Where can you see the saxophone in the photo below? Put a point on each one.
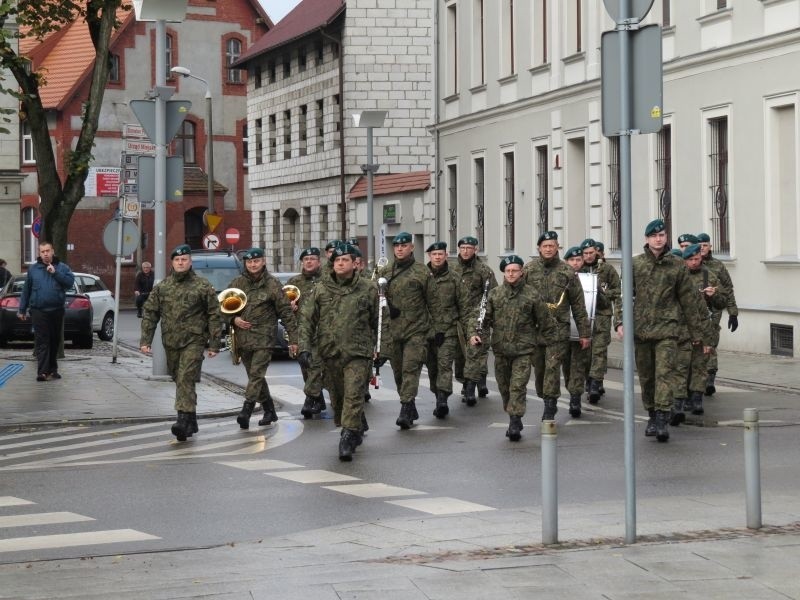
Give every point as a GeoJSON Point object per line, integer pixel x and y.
{"type": "Point", "coordinates": [482, 309]}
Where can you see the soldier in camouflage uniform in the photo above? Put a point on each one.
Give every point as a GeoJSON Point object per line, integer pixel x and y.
{"type": "Point", "coordinates": [559, 287]}
{"type": "Point", "coordinates": [188, 310]}
{"type": "Point", "coordinates": [254, 328]}
{"type": "Point", "coordinates": [446, 311]}
{"type": "Point", "coordinates": [472, 361]}
{"type": "Point", "coordinates": [577, 360]}
{"type": "Point", "coordinates": [717, 267]}
{"type": "Point", "coordinates": [408, 324]}
{"type": "Point", "coordinates": [663, 297]}
{"type": "Point", "coordinates": [340, 322]}
{"type": "Point", "coordinates": [518, 319]}
{"type": "Point", "coordinates": [609, 304]}
{"type": "Point", "coordinates": [306, 281]}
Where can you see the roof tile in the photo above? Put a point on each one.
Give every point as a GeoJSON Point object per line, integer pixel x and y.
{"type": "Point", "coordinates": [393, 183]}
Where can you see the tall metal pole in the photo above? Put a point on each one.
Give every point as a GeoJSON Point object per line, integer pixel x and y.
{"type": "Point", "coordinates": [370, 215]}
{"type": "Point", "coordinates": [160, 252]}
{"type": "Point", "coordinates": [210, 151]}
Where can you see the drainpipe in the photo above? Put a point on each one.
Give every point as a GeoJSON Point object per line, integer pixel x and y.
{"type": "Point", "coordinates": [342, 200]}
{"type": "Point", "coordinates": [436, 171]}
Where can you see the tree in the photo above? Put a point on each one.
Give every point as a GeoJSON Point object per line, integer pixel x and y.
{"type": "Point", "coordinates": [37, 19]}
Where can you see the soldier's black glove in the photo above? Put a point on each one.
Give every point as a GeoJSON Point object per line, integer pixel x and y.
{"type": "Point", "coordinates": [438, 339]}
{"type": "Point", "coordinates": [380, 361]}
{"type": "Point", "coordinates": [304, 358]}
{"type": "Point", "coordinates": [733, 323]}
{"type": "Point", "coordinates": [394, 312]}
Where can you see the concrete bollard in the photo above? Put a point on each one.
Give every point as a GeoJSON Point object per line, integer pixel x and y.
{"type": "Point", "coordinates": [752, 468]}
{"type": "Point", "coordinates": [549, 483]}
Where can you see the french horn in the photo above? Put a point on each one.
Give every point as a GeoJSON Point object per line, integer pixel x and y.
{"type": "Point", "coordinates": [292, 292]}
{"type": "Point", "coordinates": [231, 301]}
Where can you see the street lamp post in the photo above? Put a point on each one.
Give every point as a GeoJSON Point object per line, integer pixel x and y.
{"type": "Point", "coordinates": [183, 71]}
{"type": "Point", "coordinates": [369, 119]}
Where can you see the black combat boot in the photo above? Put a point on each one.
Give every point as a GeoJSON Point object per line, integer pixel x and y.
{"type": "Point", "coordinates": [550, 409]}
{"type": "Point", "coordinates": [414, 413]}
{"type": "Point", "coordinates": [270, 416]}
{"type": "Point", "coordinates": [710, 387]}
{"type": "Point", "coordinates": [469, 392]}
{"type": "Point", "coordinates": [575, 405]}
{"type": "Point", "coordinates": [602, 389]}
{"type": "Point", "coordinates": [406, 418]}
{"type": "Point", "coordinates": [441, 410]}
{"type": "Point", "coordinates": [348, 443]}
{"type": "Point", "coordinates": [308, 407]}
{"type": "Point", "coordinates": [662, 431]}
{"type": "Point", "coordinates": [463, 391]}
{"type": "Point", "coordinates": [513, 433]}
{"type": "Point", "coordinates": [676, 415]}
{"type": "Point", "coordinates": [594, 391]}
{"type": "Point", "coordinates": [364, 424]}
{"type": "Point", "coordinates": [182, 426]}
{"type": "Point", "coordinates": [483, 391]}
{"type": "Point", "coordinates": [650, 430]}
{"type": "Point", "coordinates": [319, 404]}
{"type": "Point", "coordinates": [244, 415]}
{"type": "Point", "coordinates": [697, 403]}
{"type": "Point", "coordinates": [193, 421]}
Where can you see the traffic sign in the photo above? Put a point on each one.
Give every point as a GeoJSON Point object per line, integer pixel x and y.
{"type": "Point", "coordinates": [211, 220]}
{"type": "Point", "coordinates": [130, 237]}
{"type": "Point", "coordinates": [231, 235]}
{"type": "Point", "coordinates": [131, 206]}
{"type": "Point", "coordinates": [146, 178]}
{"type": "Point", "coordinates": [36, 227]}
{"type": "Point", "coordinates": [638, 9]}
{"type": "Point", "coordinates": [211, 241]}
{"type": "Point", "coordinates": [175, 113]}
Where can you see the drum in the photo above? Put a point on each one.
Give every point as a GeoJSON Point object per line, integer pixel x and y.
{"type": "Point", "coordinates": [589, 285]}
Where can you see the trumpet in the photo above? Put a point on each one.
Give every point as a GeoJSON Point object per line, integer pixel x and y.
{"type": "Point", "coordinates": [292, 292]}
{"type": "Point", "coordinates": [232, 300]}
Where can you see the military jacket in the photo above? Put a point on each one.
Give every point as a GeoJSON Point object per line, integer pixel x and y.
{"type": "Point", "coordinates": [558, 285]}
{"type": "Point", "coordinates": [407, 297]}
{"type": "Point", "coordinates": [519, 320]}
{"type": "Point", "coordinates": [305, 282]}
{"type": "Point", "coordinates": [187, 307]}
{"type": "Point", "coordinates": [609, 289]}
{"type": "Point", "coordinates": [707, 305]}
{"type": "Point", "coordinates": [717, 267]}
{"type": "Point", "coordinates": [445, 302]}
{"type": "Point", "coordinates": [266, 302]}
{"type": "Point", "coordinates": [473, 275]}
{"type": "Point", "coordinates": [340, 318]}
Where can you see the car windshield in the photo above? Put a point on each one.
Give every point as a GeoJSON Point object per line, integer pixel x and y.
{"type": "Point", "coordinates": [220, 278]}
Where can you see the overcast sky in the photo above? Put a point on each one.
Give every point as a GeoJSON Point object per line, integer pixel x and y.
{"type": "Point", "coordinates": [277, 9]}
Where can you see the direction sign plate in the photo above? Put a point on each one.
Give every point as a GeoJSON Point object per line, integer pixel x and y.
{"type": "Point", "coordinates": [211, 241]}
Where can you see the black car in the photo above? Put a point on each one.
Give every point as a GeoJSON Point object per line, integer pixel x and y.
{"type": "Point", "coordinates": [77, 316]}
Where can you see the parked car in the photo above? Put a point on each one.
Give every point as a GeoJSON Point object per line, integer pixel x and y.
{"type": "Point", "coordinates": [280, 347]}
{"type": "Point", "coordinates": [102, 304]}
{"type": "Point", "coordinates": [77, 316]}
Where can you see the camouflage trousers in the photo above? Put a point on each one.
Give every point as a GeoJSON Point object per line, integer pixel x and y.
{"type": "Point", "coordinates": [256, 361]}
{"type": "Point", "coordinates": [575, 366]}
{"type": "Point", "coordinates": [183, 365]}
{"type": "Point", "coordinates": [440, 364]}
{"type": "Point", "coordinates": [472, 362]}
{"type": "Point", "coordinates": [346, 378]}
{"type": "Point", "coordinates": [601, 338]}
{"type": "Point", "coordinates": [683, 362]}
{"type": "Point", "coordinates": [513, 374]}
{"type": "Point", "coordinates": [407, 357]}
{"type": "Point", "coordinates": [655, 363]}
{"type": "Point", "coordinates": [546, 361]}
{"type": "Point", "coordinates": [699, 368]}
{"type": "Point", "coordinates": [313, 376]}
{"type": "Point", "coordinates": [716, 317]}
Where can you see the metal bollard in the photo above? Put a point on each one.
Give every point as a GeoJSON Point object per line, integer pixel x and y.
{"type": "Point", "coordinates": [752, 468]}
{"type": "Point", "coordinates": [549, 484]}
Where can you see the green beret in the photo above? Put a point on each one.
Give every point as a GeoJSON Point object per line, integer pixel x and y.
{"type": "Point", "coordinates": [601, 247]}
{"type": "Point", "coordinates": [654, 226]}
{"type": "Point", "coordinates": [677, 252]}
{"type": "Point", "coordinates": [312, 251]}
{"type": "Point", "coordinates": [253, 253]}
{"type": "Point", "coordinates": [511, 260]}
{"type": "Point", "coordinates": [352, 242]}
{"type": "Point", "coordinates": [468, 240]}
{"type": "Point", "coordinates": [356, 252]}
{"type": "Point", "coordinates": [703, 238]}
{"type": "Point", "coordinates": [437, 246]}
{"type": "Point", "coordinates": [690, 251]}
{"type": "Point", "coordinates": [401, 238]}
{"type": "Point", "coordinates": [588, 243]}
{"type": "Point", "coordinates": [688, 237]}
{"type": "Point", "coordinates": [181, 250]}
{"type": "Point", "coordinates": [341, 249]}
{"type": "Point", "coordinates": [574, 252]}
{"type": "Point", "coordinates": [332, 244]}
{"type": "Point", "coordinates": [547, 235]}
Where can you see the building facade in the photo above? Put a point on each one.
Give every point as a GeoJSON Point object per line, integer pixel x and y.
{"type": "Point", "coordinates": [521, 148]}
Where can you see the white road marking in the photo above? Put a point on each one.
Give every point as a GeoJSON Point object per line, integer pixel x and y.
{"type": "Point", "coordinates": [287, 393]}
{"type": "Point", "coordinates": [28, 434]}
{"type": "Point", "coordinates": [264, 464]}
{"type": "Point", "coordinates": [66, 540]}
{"type": "Point", "coordinates": [70, 438]}
{"type": "Point", "coordinates": [12, 501]}
{"type": "Point", "coordinates": [42, 519]}
{"type": "Point", "coordinates": [373, 490]}
{"type": "Point", "coordinates": [440, 506]}
{"type": "Point", "coordinates": [312, 476]}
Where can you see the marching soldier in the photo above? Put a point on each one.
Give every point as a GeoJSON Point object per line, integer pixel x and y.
{"type": "Point", "coordinates": [306, 281]}
{"type": "Point", "coordinates": [519, 320]}
{"type": "Point", "coordinates": [188, 310]}
{"type": "Point", "coordinates": [340, 323]}
{"type": "Point", "coordinates": [471, 361]}
{"type": "Point", "coordinates": [254, 328]}
{"type": "Point", "coordinates": [560, 289]}
{"type": "Point", "coordinates": [409, 323]}
{"type": "Point", "coordinates": [609, 300]}
{"type": "Point", "coordinates": [576, 362]}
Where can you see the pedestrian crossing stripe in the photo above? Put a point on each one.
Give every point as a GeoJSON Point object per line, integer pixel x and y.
{"type": "Point", "coordinates": [441, 506]}
{"type": "Point", "coordinates": [12, 501]}
{"type": "Point", "coordinates": [32, 519]}
{"type": "Point", "coordinates": [373, 490]}
{"type": "Point", "coordinates": [64, 540]}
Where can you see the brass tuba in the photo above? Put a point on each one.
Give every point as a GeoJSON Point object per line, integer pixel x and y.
{"type": "Point", "coordinates": [292, 292]}
{"type": "Point", "coordinates": [231, 301]}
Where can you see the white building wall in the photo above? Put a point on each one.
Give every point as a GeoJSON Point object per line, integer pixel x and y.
{"type": "Point", "coordinates": [10, 181]}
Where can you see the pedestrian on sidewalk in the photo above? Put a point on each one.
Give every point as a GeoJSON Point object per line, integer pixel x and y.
{"type": "Point", "coordinates": [5, 274]}
{"type": "Point", "coordinates": [44, 293]}
{"type": "Point", "coordinates": [188, 310]}
{"type": "Point", "coordinates": [143, 285]}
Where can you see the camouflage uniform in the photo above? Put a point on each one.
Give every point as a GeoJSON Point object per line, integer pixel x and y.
{"type": "Point", "coordinates": [340, 322]}
{"type": "Point", "coordinates": [187, 307]}
{"type": "Point", "coordinates": [698, 366]}
{"type": "Point", "coordinates": [306, 283]}
{"type": "Point", "coordinates": [717, 267]}
{"type": "Point", "coordinates": [609, 304]}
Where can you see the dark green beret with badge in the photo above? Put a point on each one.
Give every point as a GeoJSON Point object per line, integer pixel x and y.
{"type": "Point", "coordinates": [401, 238]}
{"type": "Point", "coordinates": [312, 251]}
{"type": "Point", "coordinates": [601, 247]}
{"type": "Point", "coordinates": [341, 249]}
{"type": "Point", "coordinates": [437, 246]}
{"type": "Point", "coordinates": [654, 226]}
{"type": "Point", "coordinates": [677, 252]}
{"type": "Point", "coordinates": [253, 253]}
{"type": "Point", "coordinates": [688, 237]}
{"type": "Point", "coordinates": [703, 238]}
{"type": "Point", "coordinates": [547, 235]}
{"type": "Point", "coordinates": [353, 242]}
{"type": "Point", "coordinates": [181, 250]}
{"type": "Point", "coordinates": [511, 260]}
{"type": "Point", "coordinates": [690, 251]}
{"type": "Point", "coordinates": [574, 252]}
{"type": "Point", "coordinates": [588, 243]}
{"type": "Point", "coordinates": [468, 240]}
{"type": "Point", "coordinates": [332, 244]}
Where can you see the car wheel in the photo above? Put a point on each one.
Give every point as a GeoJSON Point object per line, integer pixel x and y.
{"type": "Point", "coordinates": [106, 332]}
{"type": "Point", "coordinates": [83, 341]}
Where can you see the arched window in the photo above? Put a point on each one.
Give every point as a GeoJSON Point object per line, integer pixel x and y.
{"type": "Point", "coordinates": [233, 50]}
{"type": "Point", "coordinates": [185, 143]}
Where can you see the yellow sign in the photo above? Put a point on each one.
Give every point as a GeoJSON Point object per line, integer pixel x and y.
{"type": "Point", "coordinates": [213, 221]}
{"type": "Point", "coordinates": [655, 112]}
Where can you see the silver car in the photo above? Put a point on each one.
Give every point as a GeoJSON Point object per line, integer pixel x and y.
{"type": "Point", "coordinates": [103, 304]}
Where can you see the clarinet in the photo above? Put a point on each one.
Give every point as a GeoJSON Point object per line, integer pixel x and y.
{"type": "Point", "coordinates": [482, 310]}
{"type": "Point", "coordinates": [376, 380]}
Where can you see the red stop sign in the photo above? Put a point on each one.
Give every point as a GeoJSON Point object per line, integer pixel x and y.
{"type": "Point", "coordinates": [231, 235]}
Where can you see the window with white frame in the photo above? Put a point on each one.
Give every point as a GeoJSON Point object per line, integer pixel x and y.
{"type": "Point", "coordinates": [28, 155]}
{"type": "Point", "coordinates": [574, 39]}
{"type": "Point", "coordinates": [614, 200]}
{"type": "Point", "coordinates": [541, 54]}
{"type": "Point", "coordinates": [233, 50]}
{"type": "Point", "coordinates": [452, 204]}
{"type": "Point", "coordinates": [717, 151]}
{"type": "Point", "coordinates": [664, 177]}
{"type": "Point", "coordinates": [507, 58]}
{"type": "Point", "coordinates": [542, 171]}
{"type": "Point", "coordinates": [114, 69]}
{"type": "Point", "coordinates": [245, 146]}
{"type": "Point", "coordinates": [479, 199]}
{"type": "Point", "coordinates": [29, 242]}
{"type": "Point", "coordinates": [666, 13]}
{"type": "Point", "coordinates": [452, 50]}
{"type": "Point", "coordinates": [169, 51]}
{"type": "Point", "coordinates": [781, 179]}
{"type": "Point", "coordinates": [478, 43]}
{"type": "Point", "coordinates": [508, 199]}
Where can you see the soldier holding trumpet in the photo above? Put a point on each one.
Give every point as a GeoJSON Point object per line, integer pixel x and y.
{"type": "Point", "coordinates": [253, 325]}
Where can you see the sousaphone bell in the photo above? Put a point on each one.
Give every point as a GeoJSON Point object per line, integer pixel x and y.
{"type": "Point", "coordinates": [292, 292]}
{"type": "Point", "coordinates": [231, 301]}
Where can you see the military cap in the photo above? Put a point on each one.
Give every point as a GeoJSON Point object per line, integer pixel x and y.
{"type": "Point", "coordinates": [574, 252]}
{"type": "Point", "coordinates": [341, 249]}
{"type": "Point", "coordinates": [468, 240]}
{"type": "Point", "coordinates": [311, 251]}
{"type": "Point", "coordinates": [253, 253]}
{"type": "Point", "coordinates": [352, 241]}
{"type": "Point", "coordinates": [181, 250]}
{"type": "Point", "coordinates": [511, 260]}
{"type": "Point", "coordinates": [690, 251]}
{"type": "Point", "coordinates": [588, 243]}
{"type": "Point", "coordinates": [437, 246]}
{"type": "Point", "coordinates": [677, 252]}
{"type": "Point", "coordinates": [401, 238]}
{"type": "Point", "coordinates": [332, 244]}
{"type": "Point", "coordinates": [703, 238]}
{"type": "Point", "coordinates": [547, 235]}
{"type": "Point", "coordinates": [601, 247]}
{"type": "Point", "coordinates": [654, 226]}
{"type": "Point", "coordinates": [688, 237]}
{"type": "Point", "coordinates": [356, 252]}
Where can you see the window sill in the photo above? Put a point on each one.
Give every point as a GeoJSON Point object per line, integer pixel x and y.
{"type": "Point", "coordinates": [668, 30]}
{"type": "Point", "coordinates": [574, 58]}
{"type": "Point", "coordinates": [450, 98]}
{"type": "Point", "coordinates": [723, 14]}
{"type": "Point", "coordinates": [782, 261]}
{"type": "Point", "coordinates": [542, 68]}
{"type": "Point", "coordinates": [478, 89]}
{"type": "Point", "coordinates": [507, 79]}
